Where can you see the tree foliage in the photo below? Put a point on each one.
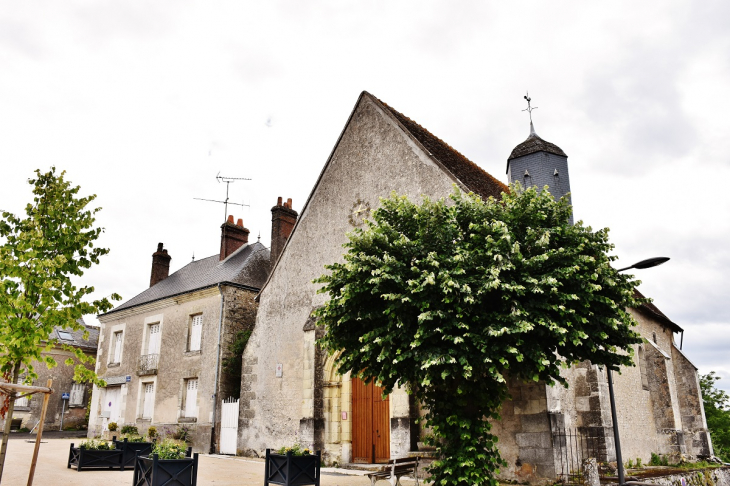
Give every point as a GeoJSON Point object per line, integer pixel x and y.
{"type": "Point", "coordinates": [717, 413]}
{"type": "Point", "coordinates": [41, 256]}
{"type": "Point", "coordinates": [450, 298]}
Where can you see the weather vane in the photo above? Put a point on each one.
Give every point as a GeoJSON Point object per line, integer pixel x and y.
{"type": "Point", "coordinates": [529, 108]}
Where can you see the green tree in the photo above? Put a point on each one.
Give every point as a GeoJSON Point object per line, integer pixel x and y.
{"type": "Point", "coordinates": [717, 414]}
{"type": "Point", "coordinates": [453, 298]}
{"type": "Point", "coordinates": [41, 256]}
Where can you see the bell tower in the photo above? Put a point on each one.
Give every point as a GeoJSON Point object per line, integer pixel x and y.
{"type": "Point", "coordinates": [537, 162]}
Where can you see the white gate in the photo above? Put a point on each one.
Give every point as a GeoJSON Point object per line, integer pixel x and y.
{"type": "Point", "coordinates": [229, 426]}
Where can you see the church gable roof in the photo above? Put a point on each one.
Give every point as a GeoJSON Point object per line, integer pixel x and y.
{"type": "Point", "coordinates": [247, 266]}
{"type": "Point", "coordinates": [470, 174]}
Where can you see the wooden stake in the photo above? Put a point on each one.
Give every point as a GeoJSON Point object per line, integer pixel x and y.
{"type": "Point", "coordinates": [46, 396]}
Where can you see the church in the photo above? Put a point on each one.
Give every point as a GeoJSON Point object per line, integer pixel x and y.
{"type": "Point", "coordinates": [290, 392]}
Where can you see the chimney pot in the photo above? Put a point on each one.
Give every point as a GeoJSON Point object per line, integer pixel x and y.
{"type": "Point", "coordinates": [160, 265]}
{"type": "Point", "coordinates": [278, 201]}
{"type": "Point", "coordinates": [283, 218]}
{"type": "Point", "coordinates": [239, 222]}
{"type": "Point", "coordinates": [233, 237]}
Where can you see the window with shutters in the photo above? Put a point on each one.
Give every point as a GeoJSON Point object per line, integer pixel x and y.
{"type": "Point", "coordinates": [148, 400]}
{"type": "Point", "coordinates": [153, 341]}
{"type": "Point", "coordinates": [190, 402]}
{"type": "Point", "coordinates": [23, 402]}
{"type": "Point", "coordinates": [195, 333]}
{"type": "Point", "coordinates": [116, 354]}
{"type": "Point", "coordinates": [77, 394]}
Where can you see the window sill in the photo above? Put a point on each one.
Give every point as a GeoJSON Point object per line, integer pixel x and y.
{"type": "Point", "coordinates": [77, 405]}
{"type": "Point", "coordinates": [192, 353]}
{"type": "Point", "coordinates": [143, 419]}
{"type": "Point", "coordinates": [187, 420]}
{"type": "Point", "coordinates": [22, 409]}
{"type": "Point", "coordinates": [113, 365]}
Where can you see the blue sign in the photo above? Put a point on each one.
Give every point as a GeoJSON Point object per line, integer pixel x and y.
{"type": "Point", "coordinates": [65, 396]}
{"type": "Point", "coordinates": [129, 378]}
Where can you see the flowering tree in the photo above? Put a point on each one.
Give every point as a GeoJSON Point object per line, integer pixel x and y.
{"type": "Point", "coordinates": [451, 297]}
{"type": "Point", "coordinates": [40, 255]}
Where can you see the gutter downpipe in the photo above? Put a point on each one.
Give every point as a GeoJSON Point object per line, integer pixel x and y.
{"type": "Point", "coordinates": [217, 369]}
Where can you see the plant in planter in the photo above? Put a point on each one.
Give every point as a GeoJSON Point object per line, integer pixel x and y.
{"type": "Point", "coordinates": [292, 466]}
{"type": "Point", "coordinates": [129, 430]}
{"type": "Point", "coordinates": [169, 463]}
{"type": "Point", "coordinates": [152, 432]}
{"type": "Point", "coordinates": [131, 446]}
{"type": "Point", "coordinates": [93, 453]}
{"type": "Point", "coordinates": [112, 426]}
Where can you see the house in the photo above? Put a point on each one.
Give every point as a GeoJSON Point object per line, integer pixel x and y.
{"type": "Point", "coordinates": [163, 352]}
{"type": "Point", "coordinates": [69, 412]}
{"type": "Point", "coordinates": [290, 392]}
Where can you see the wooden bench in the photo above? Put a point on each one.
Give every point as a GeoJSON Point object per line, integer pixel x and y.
{"type": "Point", "coordinates": [395, 469]}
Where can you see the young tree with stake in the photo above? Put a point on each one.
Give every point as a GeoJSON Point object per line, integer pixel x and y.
{"type": "Point", "coordinates": [41, 255]}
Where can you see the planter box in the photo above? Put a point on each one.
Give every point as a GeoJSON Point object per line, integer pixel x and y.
{"type": "Point", "coordinates": [151, 471]}
{"type": "Point", "coordinates": [291, 470]}
{"type": "Point", "coordinates": [81, 458]}
{"type": "Point", "coordinates": [131, 449]}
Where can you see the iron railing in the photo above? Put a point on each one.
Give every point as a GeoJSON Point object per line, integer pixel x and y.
{"type": "Point", "coordinates": [147, 364]}
{"type": "Point", "coordinates": [573, 446]}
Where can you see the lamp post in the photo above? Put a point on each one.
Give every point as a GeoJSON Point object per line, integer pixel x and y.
{"type": "Point", "coordinates": [648, 263]}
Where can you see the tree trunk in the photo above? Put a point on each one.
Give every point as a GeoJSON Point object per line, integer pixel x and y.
{"type": "Point", "coordinates": [8, 422]}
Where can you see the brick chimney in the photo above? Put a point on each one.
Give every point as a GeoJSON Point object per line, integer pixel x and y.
{"type": "Point", "coordinates": [233, 237]}
{"type": "Point", "coordinates": [283, 218]}
{"type": "Point", "coordinates": [160, 265]}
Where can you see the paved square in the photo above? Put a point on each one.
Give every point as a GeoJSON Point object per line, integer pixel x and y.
{"type": "Point", "coordinates": [214, 470]}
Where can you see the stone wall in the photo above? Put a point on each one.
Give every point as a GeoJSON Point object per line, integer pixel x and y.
{"type": "Point", "coordinates": [62, 376]}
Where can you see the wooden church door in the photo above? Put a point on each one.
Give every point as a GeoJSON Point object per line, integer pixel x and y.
{"type": "Point", "coordinates": [370, 423]}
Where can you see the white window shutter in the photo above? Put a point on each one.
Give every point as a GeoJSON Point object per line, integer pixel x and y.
{"type": "Point", "coordinates": [195, 333]}
{"type": "Point", "coordinates": [154, 342]}
{"type": "Point", "coordinates": [22, 402]}
{"type": "Point", "coordinates": [149, 390]}
{"type": "Point", "coordinates": [191, 399]}
{"type": "Point", "coordinates": [77, 394]}
{"type": "Point", "coordinates": [117, 347]}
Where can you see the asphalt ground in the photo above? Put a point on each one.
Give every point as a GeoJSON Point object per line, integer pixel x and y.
{"type": "Point", "coordinates": [213, 469]}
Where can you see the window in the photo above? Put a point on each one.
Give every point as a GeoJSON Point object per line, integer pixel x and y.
{"type": "Point", "coordinates": [190, 408]}
{"type": "Point", "coordinates": [642, 369]}
{"type": "Point", "coordinates": [116, 355]}
{"type": "Point", "coordinates": [148, 400]}
{"type": "Point", "coordinates": [22, 402]}
{"type": "Point", "coordinates": [196, 328]}
{"type": "Point", "coordinates": [653, 336]}
{"type": "Point", "coordinates": [65, 335]}
{"type": "Point", "coordinates": [153, 343]}
{"type": "Point", "coordinates": [77, 394]}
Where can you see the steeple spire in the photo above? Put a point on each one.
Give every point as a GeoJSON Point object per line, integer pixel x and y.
{"type": "Point", "coordinates": [529, 111]}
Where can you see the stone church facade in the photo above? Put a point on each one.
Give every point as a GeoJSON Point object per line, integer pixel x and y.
{"type": "Point", "coordinates": [291, 393]}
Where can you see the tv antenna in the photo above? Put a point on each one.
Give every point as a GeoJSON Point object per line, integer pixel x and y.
{"type": "Point", "coordinates": [226, 202]}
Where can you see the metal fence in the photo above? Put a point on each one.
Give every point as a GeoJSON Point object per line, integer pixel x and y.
{"type": "Point", "coordinates": [147, 364]}
{"type": "Point", "coordinates": [573, 446]}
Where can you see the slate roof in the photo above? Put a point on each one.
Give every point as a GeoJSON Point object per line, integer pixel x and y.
{"type": "Point", "coordinates": [78, 336]}
{"type": "Point", "coordinates": [653, 311]}
{"type": "Point", "coordinates": [470, 174]}
{"type": "Point", "coordinates": [535, 144]}
{"type": "Point", "coordinates": [247, 266]}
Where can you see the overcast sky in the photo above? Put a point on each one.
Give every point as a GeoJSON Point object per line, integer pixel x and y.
{"type": "Point", "coordinates": [143, 103]}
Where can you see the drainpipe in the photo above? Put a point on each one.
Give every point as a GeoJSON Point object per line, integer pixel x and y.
{"type": "Point", "coordinates": [217, 368]}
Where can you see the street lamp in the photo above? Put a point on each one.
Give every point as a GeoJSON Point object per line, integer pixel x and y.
{"type": "Point", "coordinates": [648, 263]}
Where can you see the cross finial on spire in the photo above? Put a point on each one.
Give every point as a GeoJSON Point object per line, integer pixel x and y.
{"type": "Point", "coordinates": [529, 111]}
